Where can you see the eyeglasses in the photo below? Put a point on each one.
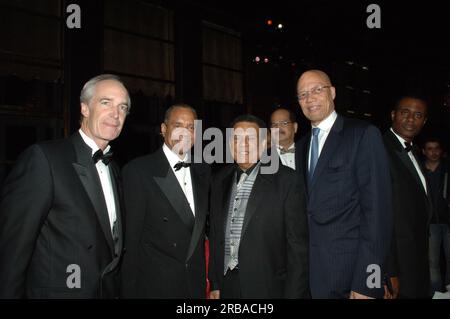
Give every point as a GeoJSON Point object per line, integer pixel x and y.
{"type": "Point", "coordinates": [314, 91]}
{"type": "Point", "coordinates": [280, 124]}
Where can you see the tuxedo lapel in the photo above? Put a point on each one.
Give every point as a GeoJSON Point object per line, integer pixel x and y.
{"type": "Point", "coordinates": [200, 186]}
{"type": "Point", "coordinates": [170, 187]}
{"type": "Point", "coordinates": [88, 175]}
{"type": "Point", "coordinates": [115, 181]}
{"type": "Point", "coordinates": [260, 187]}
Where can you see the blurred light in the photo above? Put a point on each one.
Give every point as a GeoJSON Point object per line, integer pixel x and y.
{"type": "Point", "coordinates": [368, 114]}
{"type": "Point", "coordinates": [280, 26]}
{"type": "Point", "coordinates": [293, 64]}
{"type": "Point", "coordinates": [350, 62]}
{"type": "Point", "coordinates": [365, 68]}
{"type": "Point", "coordinates": [266, 60]}
{"type": "Point", "coordinates": [350, 111]}
{"type": "Point", "coordinates": [269, 22]}
{"type": "Point", "coordinates": [257, 59]}
{"type": "Point", "coordinates": [280, 57]}
{"type": "Point", "coordinates": [366, 91]}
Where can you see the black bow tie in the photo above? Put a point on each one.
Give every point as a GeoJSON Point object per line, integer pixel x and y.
{"type": "Point", "coordinates": [179, 165]}
{"type": "Point", "coordinates": [283, 151]}
{"type": "Point", "coordinates": [408, 147]}
{"type": "Point", "coordinates": [105, 158]}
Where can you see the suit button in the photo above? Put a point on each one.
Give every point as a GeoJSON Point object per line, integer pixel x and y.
{"type": "Point", "coordinates": [165, 219]}
{"type": "Point", "coordinates": [90, 247]}
{"type": "Point", "coordinates": [174, 245]}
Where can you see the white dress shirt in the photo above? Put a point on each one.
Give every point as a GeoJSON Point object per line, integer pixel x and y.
{"type": "Point", "coordinates": [105, 179]}
{"type": "Point", "coordinates": [287, 159]}
{"type": "Point", "coordinates": [183, 175]}
{"type": "Point", "coordinates": [325, 128]}
{"type": "Point", "coordinates": [413, 160]}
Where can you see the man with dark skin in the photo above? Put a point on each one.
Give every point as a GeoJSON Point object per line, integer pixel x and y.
{"type": "Point", "coordinates": [408, 269]}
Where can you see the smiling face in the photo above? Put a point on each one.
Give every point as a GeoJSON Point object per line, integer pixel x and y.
{"type": "Point", "coordinates": [179, 130]}
{"type": "Point", "coordinates": [317, 104]}
{"type": "Point", "coordinates": [409, 117]}
{"type": "Point", "coordinates": [105, 113]}
{"type": "Point", "coordinates": [246, 144]}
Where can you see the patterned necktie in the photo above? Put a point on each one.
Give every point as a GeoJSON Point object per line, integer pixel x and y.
{"type": "Point", "coordinates": [314, 152]}
{"type": "Point", "coordinates": [105, 158]}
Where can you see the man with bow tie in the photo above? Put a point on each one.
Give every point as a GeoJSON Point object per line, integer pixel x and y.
{"type": "Point", "coordinates": [408, 266]}
{"type": "Point", "coordinates": [166, 197]}
{"type": "Point", "coordinates": [60, 210]}
{"type": "Point", "coordinates": [284, 120]}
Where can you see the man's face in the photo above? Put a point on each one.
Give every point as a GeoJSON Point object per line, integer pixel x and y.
{"type": "Point", "coordinates": [246, 144]}
{"type": "Point", "coordinates": [287, 129]}
{"type": "Point", "coordinates": [316, 96]}
{"type": "Point", "coordinates": [409, 117]}
{"type": "Point", "coordinates": [179, 130]}
{"type": "Point", "coordinates": [432, 151]}
{"type": "Point", "coordinates": [105, 113]}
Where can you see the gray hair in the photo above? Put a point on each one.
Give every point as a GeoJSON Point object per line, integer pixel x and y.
{"type": "Point", "coordinates": [180, 105]}
{"type": "Point", "coordinates": [88, 89]}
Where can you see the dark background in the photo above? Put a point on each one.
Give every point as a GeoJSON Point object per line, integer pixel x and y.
{"type": "Point", "coordinates": [203, 53]}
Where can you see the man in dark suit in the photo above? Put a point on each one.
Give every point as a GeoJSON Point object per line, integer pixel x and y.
{"type": "Point", "coordinates": [408, 261]}
{"type": "Point", "coordinates": [345, 166]}
{"type": "Point", "coordinates": [60, 212]}
{"type": "Point", "coordinates": [259, 234]}
{"type": "Point", "coordinates": [166, 198]}
{"type": "Point", "coordinates": [284, 143]}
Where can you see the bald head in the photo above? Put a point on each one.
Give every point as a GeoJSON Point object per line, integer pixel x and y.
{"type": "Point", "coordinates": [317, 75]}
{"type": "Point", "coordinates": [316, 95]}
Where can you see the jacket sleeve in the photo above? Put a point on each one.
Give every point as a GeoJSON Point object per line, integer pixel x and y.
{"type": "Point", "coordinates": [26, 200]}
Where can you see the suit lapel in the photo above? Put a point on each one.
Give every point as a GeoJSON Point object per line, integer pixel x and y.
{"type": "Point", "coordinates": [115, 180]}
{"type": "Point", "coordinates": [332, 142]}
{"type": "Point", "coordinates": [169, 185]}
{"type": "Point", "coordinates": [260, 187]}
{"type": "Point", "coordinates": [88, 176]}
{"type": "Point", "coordinates": [200, 188]}
{"type": "Point", "coordinates": [227, 186]}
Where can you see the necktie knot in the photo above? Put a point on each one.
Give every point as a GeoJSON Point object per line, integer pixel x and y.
{"type": "Point", "coordinates": [316, 131]}
{"type": "Point", "coordinates": [105, 158]}
{"type": "Point", "coordinates": [408, 147]}
{"type": "Point", "coordinates": [180, 164]}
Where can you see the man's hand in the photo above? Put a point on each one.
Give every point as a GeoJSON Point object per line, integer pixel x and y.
{"type": "Point", "coordinates": [395, 284]}
{"type": "Point", "coordinates": [215, 294]}
{"type": "Point", "coordinates": [355, 295]}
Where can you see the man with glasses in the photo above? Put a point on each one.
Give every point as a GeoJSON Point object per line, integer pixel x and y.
{"type": "Point", "coordinates": [345, 167]}
{"type": "Point", "coordinates": [283, 138]}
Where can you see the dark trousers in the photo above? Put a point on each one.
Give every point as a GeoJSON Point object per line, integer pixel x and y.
{"type": "Point", "coordinates": [231, 288]}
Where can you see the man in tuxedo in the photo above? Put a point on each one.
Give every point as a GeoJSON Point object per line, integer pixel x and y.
{"type": "Point", "coordinates": [345, 166]}
{"type": "Point", "coordinates": [408, 260]}
{"type": "Point", "coordinates": [284, 120]}
{"type": "Point", "coordinates": [259, 234]}
{"type": "Point", "coordinates": [60, 210]}
{"type": "Point", "coordinates": [166, 199]}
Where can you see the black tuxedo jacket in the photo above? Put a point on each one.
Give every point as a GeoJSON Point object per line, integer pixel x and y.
{"type": "Point", "coordinates": [412, 213]}
{"type": "Point", "coordinates": [164, 241]}
{"type": "Point", "coordinates": [273, 251]}
{"type": "Point", "coordinates": [54, 224]}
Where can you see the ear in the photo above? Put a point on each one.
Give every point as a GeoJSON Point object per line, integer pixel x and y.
{"type": "Point", "coordinates": [295, 127]}
{"type": "Point", "coordinates": [333, 92]}
{"type": "Point", "coordinates": [163, 129]}
{"type": "Point", "coordinates": [84, 110]}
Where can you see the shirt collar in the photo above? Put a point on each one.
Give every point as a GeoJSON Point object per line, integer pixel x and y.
{"type": "Point", "coordinates": [172, 157]}
{"type": "Point", "coordinates": [401, 139]}
{"type": "Point", "coordinates": [327, 123]}
{"type": "Point", "coordinates": [90, 142]}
